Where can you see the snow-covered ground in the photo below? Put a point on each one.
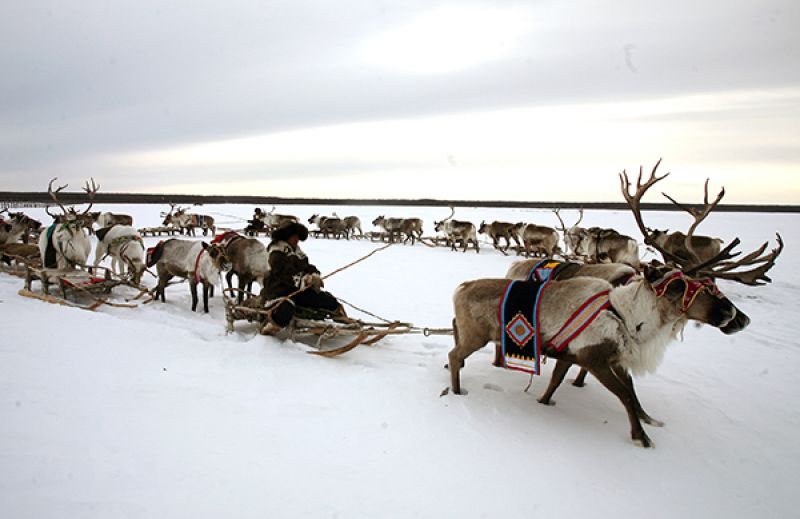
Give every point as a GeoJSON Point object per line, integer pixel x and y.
{"type": "Point", "coordinates": [155, 412]}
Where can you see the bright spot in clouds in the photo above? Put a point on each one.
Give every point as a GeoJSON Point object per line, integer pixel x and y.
{"type": "Point", "coordinates": [447, 39]}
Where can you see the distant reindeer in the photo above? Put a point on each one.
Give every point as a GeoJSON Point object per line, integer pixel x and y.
{"type": "Point", "coordinates": [505, 230]}
{"type": "Point", "coordinates": [573, 235]}
{"type": "Point", "coordinates": [272, 220]}
{"type": "Point", "coordinates": [458, 231]}
{"type": "Point", "coordinates": [65, 244]}
{"type": "Point", "coordinates": [195, 261]}
{"type": "Point", "coordinates": [596, 244]}
{"type": "Point", "coordinates": [538, 240]}
{"type": "Point", "coordinates": [180, 217]}
{"type": "Point", "coordinates": [351, 223]}
{"type": "Point", "coordinates": [397, 227]}
{"type": "Point", "coordinates": [108, 219]}
{"type": "Point", "coordinates": [329, 226]}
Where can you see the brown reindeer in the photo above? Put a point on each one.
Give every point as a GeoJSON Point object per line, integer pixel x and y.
{"type": "Point", "coordinates": [505, 230]}
{"type": "Point", "coordinates": [397, 227]}
{"type": "Point", "coordinates": [538, 240]}
{"type": "Point", "coordinates": [643, 316]}
{"type": "Point", "coordinates": [329, 226]}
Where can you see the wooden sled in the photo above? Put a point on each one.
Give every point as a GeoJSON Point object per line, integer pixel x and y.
{"type": "Point", "coordinates": [76, 283]}
{"type": "Point", "coordinates": [309, 323]}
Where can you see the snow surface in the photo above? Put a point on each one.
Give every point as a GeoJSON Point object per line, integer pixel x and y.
{"type": "Point", "coordinates": [155, 412]}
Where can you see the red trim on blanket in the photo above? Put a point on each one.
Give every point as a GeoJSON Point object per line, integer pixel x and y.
{"type": "Point", "coordinates": [197, 266]}
{"type": "Point", "coordinates": [586, 323]}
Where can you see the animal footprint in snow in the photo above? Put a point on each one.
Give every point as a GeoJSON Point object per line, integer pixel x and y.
{"type": "Point", "coordinates": [494, 387]}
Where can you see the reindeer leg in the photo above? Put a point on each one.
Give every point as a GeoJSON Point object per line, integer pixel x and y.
{"type": "Point", "coordinates": [606, 376]}
{"type": "Point", "coordinates": [626, 379]}
{"type": "Point", "coordinates": [559, 372]}
{"type": "Point", "coordinates": [580, 380]}
{"type": "Point", "coordinates": [206, 290]}
{"type": "Point", "coordinates": [498, 356]}
{"type": "Point", "coordinates": [193, 291]}
{"type": "Point", "coordinates": [229, 279]}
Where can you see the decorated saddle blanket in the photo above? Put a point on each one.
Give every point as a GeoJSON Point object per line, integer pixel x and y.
{"type": "Point", "coordinates": [226, 238]}
{"type": "Point", "coordinates": [154, 253]}
{"type": "Point", "coordinates": [519, 316]}
{"type": "Point", "coordinates": [50, 261]}
{"type": "Point", "coordinates": [548, 269]}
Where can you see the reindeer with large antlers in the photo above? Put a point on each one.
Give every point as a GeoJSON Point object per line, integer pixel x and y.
{"type": "Point", "coordinates": [631, 333]}
{"type": "Point", "coordinates": [64, 244]}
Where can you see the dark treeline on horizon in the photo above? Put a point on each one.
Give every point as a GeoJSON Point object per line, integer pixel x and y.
{"type": "Point", "coordinates": [15, 198]}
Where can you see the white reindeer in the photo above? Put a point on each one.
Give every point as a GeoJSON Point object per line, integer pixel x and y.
{"type": "Point", "coordinates": [126, 248]}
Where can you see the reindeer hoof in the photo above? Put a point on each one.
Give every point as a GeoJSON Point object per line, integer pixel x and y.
{"type": "Point", "coordinates": [645, 442]}
{"type": "Point", "coordinates": [578, 383]}
{"type": "Point", "coordinates": [544, 401]}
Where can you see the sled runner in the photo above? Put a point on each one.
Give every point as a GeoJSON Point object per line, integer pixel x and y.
{"type": "Point", "coordinates": [325, 331]}
{"type": "Point", "coordinates": [79, 284]}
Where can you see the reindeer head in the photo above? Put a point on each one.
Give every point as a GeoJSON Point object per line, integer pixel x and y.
{"type": "Point", "coordinates": [694, 278]}
{"type": "Point", "coordinates": [378, 221]}
{"type": "Point", "coordinates": [483, 228]}
{"type": "Point", "coordinates": [219, 256]}
{"type": "Point", "coordinates": [69, 216]}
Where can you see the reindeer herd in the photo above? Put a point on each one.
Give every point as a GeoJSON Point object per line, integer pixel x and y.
{"type": "Point", "coordinates": [647, 304]}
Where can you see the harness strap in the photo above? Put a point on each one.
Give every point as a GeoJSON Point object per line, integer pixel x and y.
{"type": "Point", "coordinates": [197, 266]}
{"type": "Point", "coordinates": [582, 318]}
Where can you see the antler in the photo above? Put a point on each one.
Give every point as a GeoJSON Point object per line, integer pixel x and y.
{"type": "Point", "coordinates": [54, 196]}
{"type": "Point", "coordinates": [91, 192]}
{"type": "Point", "coordinates": [725, 269]}
{"type": "Point", "coordinates": [634, 202]}
{"type": "Point", "coordinates": [563, 227]}
{"type": "Point", "coordinates": [698, 215]}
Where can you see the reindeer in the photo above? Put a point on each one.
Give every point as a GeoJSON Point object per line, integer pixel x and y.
{"type": "Point", "coordinates": [19, 253]}
{"type": "Point", "coordinates": [248, 258]}
{"type": "Point", "coordinates": [13, 229]}
{"type": "Point", "coordinates": [608, 245]}
{"type": "Point", "coordinates": [457, 230]}
{"type": "Point", "coordinates": [195, 261]}
{"type": "Point", "coordinates": [329, 226]}
{"type": "Point", "coordinates": [496, 230]}
{"type": "Point", "coordinates": [573, 235]}
{"type": "Point", "coordinates": [126, 248]}
{"type": "Point", "coordinates": [411, 227]}
{"type": "Point", "coordinates": [108, 219]}
{"type": "Point", "coordinates": [191, 221]}
{"type": "Point", "coordinates": [9, 229]}
{"type": "Point", "coordinates": [171, 218]}
{"type": "Point", "coordinates": [65, 245]}
{"type": "Point", "coordinates": [643, 316]}
{"type": "Point", "coordinates": [538, 240]}
{"type": "Point", "coordinates": [351, 223]}
{"type": "Point", "coordinates": [676, 243]}
{"type": "Point", "coordinates": [273, 221]}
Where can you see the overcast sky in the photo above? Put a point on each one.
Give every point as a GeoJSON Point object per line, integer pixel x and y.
{"type": "Point", "coordinates": [530, 100]}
